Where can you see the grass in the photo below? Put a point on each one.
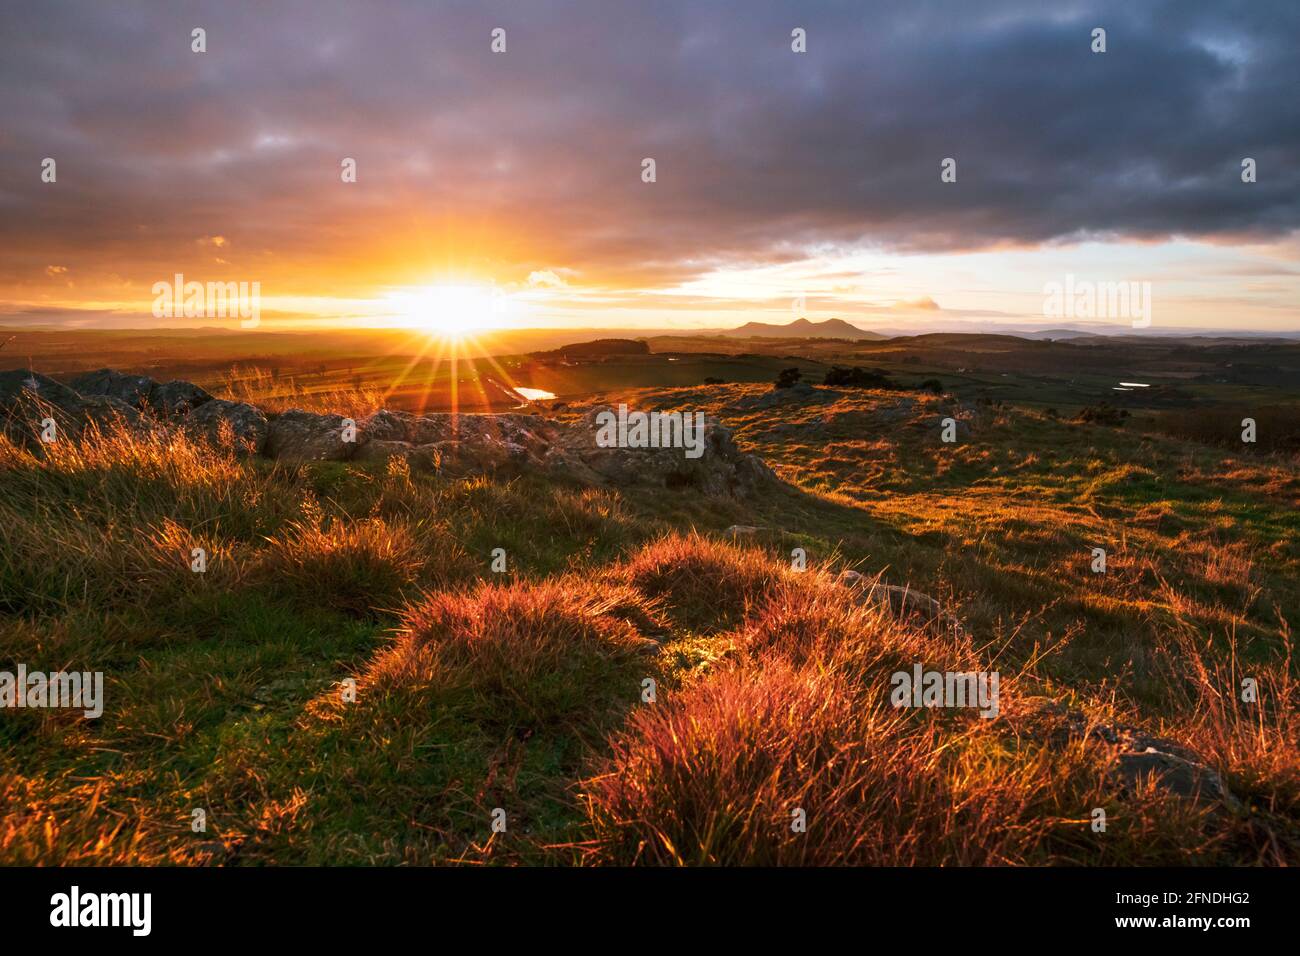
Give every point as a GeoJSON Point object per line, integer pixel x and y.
{"type": "Point", "coordinates": [349, 681]}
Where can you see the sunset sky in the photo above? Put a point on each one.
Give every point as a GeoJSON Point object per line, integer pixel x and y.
{"type": "Point", "coordinates": [510, 184]}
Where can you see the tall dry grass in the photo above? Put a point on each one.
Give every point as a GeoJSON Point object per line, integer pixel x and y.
{"type": "Point", "coordinates": [358, 567]}
{"type": "Point", "coordinates": [114, 517]}
{"type": "Point", "coordinates": [259, 386]}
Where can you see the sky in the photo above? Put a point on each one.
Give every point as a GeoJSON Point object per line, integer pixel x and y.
{"type": "Point", "coordinates": [509, 188]}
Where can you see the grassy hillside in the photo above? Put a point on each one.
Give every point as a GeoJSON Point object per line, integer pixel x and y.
{"type": "Point", "coordinates": [228, 691]}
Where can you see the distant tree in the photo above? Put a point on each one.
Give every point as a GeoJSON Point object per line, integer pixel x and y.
{"type": "Point", "coordinates": [932, 385]}
{"type": "Point", "coordinates": [788, 378]}
{"type": "Point", "coordinates": [710, 380]}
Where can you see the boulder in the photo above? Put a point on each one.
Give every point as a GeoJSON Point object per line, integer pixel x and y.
{"type": "Point", "coordinates": [247, 426]}
{"type": "Point", "coordinates": [720, 470]}
{"type": "Point", "coordinates": [175, 398]}
{"type": "Point", "coordinates": [389, 426]}
{"type": "Point", "coordinates": [27, 398]}
{"type": "Point", "coordinates": [296, 436]}
{"type": "Point", "coordinates": [20, 387]}
{"type": "Point", "coordinates": [169, 400]}
{"type": "Point", "coordinates": [134, 390]}
{"type": "Point", "coordinates": [105, 411]}
{"type": "Point", "coordinates": [1175, 770]}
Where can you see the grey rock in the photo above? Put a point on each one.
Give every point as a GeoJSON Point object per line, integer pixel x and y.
{"type": "Point", "coordinates": [168, 400]}
{"type": "Point", "coordinates": [27, 398]}
{"type": "Point", "coordinates": [134, 390]}
{"type": "Point", "coordinates": [722, 470]}
{"type": "Point", "coordinates": [1177, 772]}
{"type": "Point", "coordinates": [468, 445]}
{"type": "Point", "coordinates": [175, 398]}
{"type": "Point", "coordinates": [248, 426]}
{"type": "Point", "coordinates": [296, 436]}
{"type": "Point", "coordinates": [456, 445]}
{"type": "Point", "coordinates": [20, 387]}
{"type": "Point", "coordinates": [465, 445]}
{"type": "Point", "coordinates": [388, 426]}
{"type": "Point", "coordinates": [105, 411]}
{"type": "Point", "coordinates": [419, 457]}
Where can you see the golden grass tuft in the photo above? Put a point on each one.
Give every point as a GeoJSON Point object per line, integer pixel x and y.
{"type": "Point", "coordinates": [707, 584]}
{"type": "Point", "coordinates": [530, 655]}
{"type": "Point", "coordinates": [716, 775]}
{"type": "Point", "coordinates": [357, 567]}
{"type": "Point", "coordinates": [810, 618]}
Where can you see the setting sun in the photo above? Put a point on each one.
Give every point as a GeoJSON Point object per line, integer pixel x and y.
{"type": "Point", "coordinates": [452, 310]}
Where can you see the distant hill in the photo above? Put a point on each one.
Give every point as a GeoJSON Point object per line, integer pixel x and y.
{"type": "Point", "coordinates": [1058, 335]}
{"type": "Point", "coordinates": [597, 349]}
{"type": "Point", "coordinates": [801, 329]}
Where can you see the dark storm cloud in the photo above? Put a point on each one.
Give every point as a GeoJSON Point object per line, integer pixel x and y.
{"type": "Point", "coordinates": [531, 160]}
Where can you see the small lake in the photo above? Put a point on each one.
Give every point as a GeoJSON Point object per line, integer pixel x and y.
{"type": "Point", "coordinates": [535, 394]}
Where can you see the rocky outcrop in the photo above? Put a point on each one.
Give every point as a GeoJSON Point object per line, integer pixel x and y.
{"type": "Point", "coordinates": [132, 389]}
{"type": "Point", "coordinates": [296, 436]}
{"type": "Point", "coordinates": [465, 445]}
{"type": "Point", "coordinates": [518, 444]}
{"type": "Point", "coordinates": [423, 458]}
{"type": "Point", "coordinates": [222, 422]}
{"type": "Point", "coordinates": [720, 470]}
{"type": "Point", "coordinates": [453, 445]}
{"type": "Point", "coordinates": [170, 399]}
{"type": "Point", "coordinates": [27, 399]}
{"type": "Point", "coordinates": [175, 398]}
